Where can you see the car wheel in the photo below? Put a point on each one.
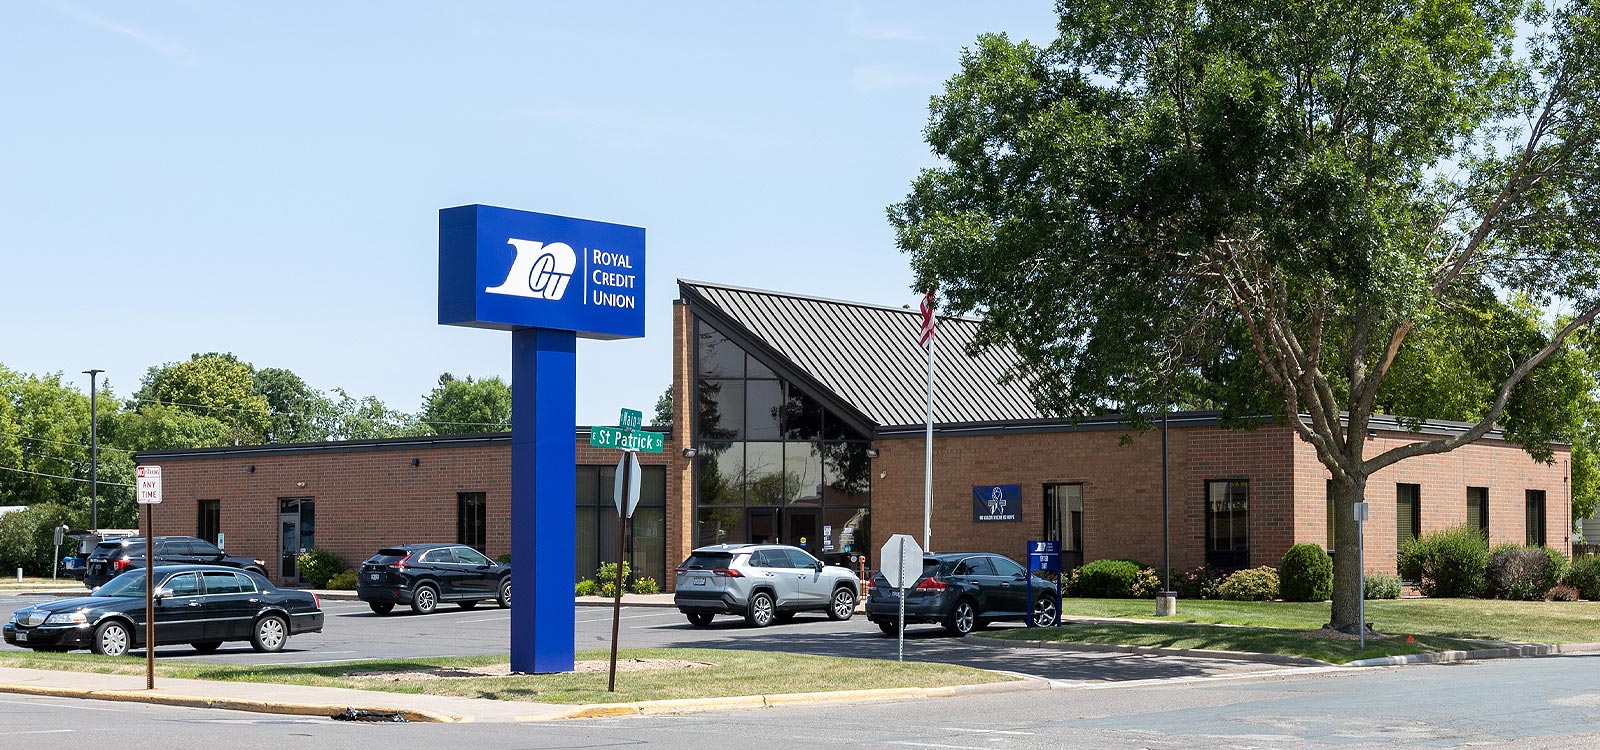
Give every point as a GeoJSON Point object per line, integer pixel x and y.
{"type": "Point", "coordinates": [699, 619]}
{"type": "Point", "coordinates": [381, 608]}
{"type": "Point", "coordinates": [424, 600]}
{"type": "Point", "coordinates": [269, 635]}
{"type": "Point", "coordinates": [843, 604]}
{"type": "Point", "coordinates": [504, 599]}
{"type": "Point", "coordinates": [467, 605]}
{"type": "Point", "coordinates": [206, 647]}
{"type": "Point", "coordinates": [962, 619]}
{"type": "Point", "coordinates": [112, 639]}
{"type": "Point", "coordinates": [889, 628]}
{"type": "Point", "coordinates": [1044, 612]}
{"type": "Point", "coordinates": [761, 611]}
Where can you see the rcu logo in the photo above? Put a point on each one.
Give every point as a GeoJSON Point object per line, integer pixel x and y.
{"type": "Point", "coordinates": [539, 271]}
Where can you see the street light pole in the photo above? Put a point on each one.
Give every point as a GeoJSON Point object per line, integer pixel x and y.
{"type": "Point", "coordinates": [94, 452]}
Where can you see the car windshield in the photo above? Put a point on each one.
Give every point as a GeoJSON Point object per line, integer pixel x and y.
{"type": "Point", "coordinates": [130, 583]}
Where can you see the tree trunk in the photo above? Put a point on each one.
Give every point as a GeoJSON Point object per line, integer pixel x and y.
{"type": "Point", "coordinates": [1344, 494]}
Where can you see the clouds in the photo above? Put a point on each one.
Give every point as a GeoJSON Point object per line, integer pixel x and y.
{"type": "Point", "coordinates": [171, 49]}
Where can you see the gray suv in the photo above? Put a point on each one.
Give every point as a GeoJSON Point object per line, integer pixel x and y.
{"type": "Point", "coordinates": [763, 583]}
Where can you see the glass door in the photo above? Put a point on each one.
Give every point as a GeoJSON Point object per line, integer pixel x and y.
{"type": "Point", "coordinates": [802, 527]}
{"type": "Point", "coordinates": [296, 534]}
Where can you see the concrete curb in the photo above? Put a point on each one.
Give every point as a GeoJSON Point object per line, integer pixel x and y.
{"type": "Point", "coordinates": [1518, 651]}
{"type": "Point", "coordinates": [234, 704]}
{"type": "Point", "coordinates": [1113, 648]}
{"type": "Point", "coordinates": [691, 705]}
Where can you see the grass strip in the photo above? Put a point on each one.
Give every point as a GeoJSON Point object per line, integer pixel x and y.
{"type": "Point", "coordinates": [729, 672]}
{"type": "Point", "coordinates": [1247, 639]}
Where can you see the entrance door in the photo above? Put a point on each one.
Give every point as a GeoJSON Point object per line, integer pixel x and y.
{"type": "Point", "coordinates": [802, 527]}
{"type": "Point", "coordinates": [296, 534]}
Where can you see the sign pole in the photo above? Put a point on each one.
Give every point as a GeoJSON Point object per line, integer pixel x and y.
{"type": "Point", "coordinates": [902, 652]}
{"type": "Point", "coordinates": [149, 600]}
{"type": "Point", "coordinates": [622, 535]}
{"type": "Point", "coordinates": [1361, 562]}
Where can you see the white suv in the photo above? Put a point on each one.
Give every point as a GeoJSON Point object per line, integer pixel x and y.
{"type": "Point", "coordinates": [763, 583]}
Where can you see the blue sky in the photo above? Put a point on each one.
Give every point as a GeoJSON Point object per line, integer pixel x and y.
{"type": "Point", "coordinates": [265, 178]}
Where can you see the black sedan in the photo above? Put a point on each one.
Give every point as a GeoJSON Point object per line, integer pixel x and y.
{"type": "Point", "coordinates": [964, 591]}
{"type": "Point", "coordinates": [201, 605]}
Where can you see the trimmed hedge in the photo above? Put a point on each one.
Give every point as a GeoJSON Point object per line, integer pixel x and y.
{"type": "Point", "coordinates": [1305, 574]}
{"type": "Point", "coordinates": [1584, 575]}
{"type": "Point", "coordinates": [1252, 585]}
{"type": "Point", "coordinates": [1448, 563]}
{"type": "Point", "coordinates": [344, 581]}
{"type": "Point", "coordinates": [1106, 579]}
{"type": "Point", "coordinates": [1381, 586]}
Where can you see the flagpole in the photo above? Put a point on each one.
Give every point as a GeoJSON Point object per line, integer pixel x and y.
{"type": "Point", "coordinates": [927, 474]}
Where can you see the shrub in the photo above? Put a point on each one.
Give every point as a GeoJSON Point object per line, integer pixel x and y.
{"type": "Point", "coordinates": [645, 585]}
{"type": "Point", "coordinates": [1520, 573]}
{"type": "Point", "coordinates": [344, 581]}
{"type": "Point", "coordinates": [1305, 574]}
{"type": "Point", "coordinates": [1106, 579]}
{"type": "Point", "coordinates": [1381, 586]}
{"type": "Point", "coordinates": [1584, 575]}
{"type": "Point", "coordinates": [318, 566]}
{"type": "Point", "coordinates": [1146, 584]}
{"type": "Point", "coordinates": [586, 587]}
{"type": "Point", "coordinates": [1448, 563]}
{"type": "Point", "coordinates": [1562, 593]}
{"type": "Point", "coordinates": [505, 558]}
{"type": "Point", "coordinates": [606, 578]}
{"type": "Point", "coordinates": [1252, 585]}
{"type": "Point", "coordinates": [1197, 583]}
{"type": "Point", "coordinates": [1558, 565]}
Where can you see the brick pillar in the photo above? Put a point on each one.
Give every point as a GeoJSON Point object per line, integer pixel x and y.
{"type": "Point", "coordinates": [680, 470]}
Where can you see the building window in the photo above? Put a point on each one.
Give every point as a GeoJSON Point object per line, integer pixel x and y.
{"type": "Point", "coordinates": [598, 524]}
{"type": "Point", "coordinates": [1063, 515]}
{"type": "Point", "coordinates": [1228, 523]}
{"type": "Point", "coordinates": [1535, 517]}
{"type": "Point", "coordinates": [1407, 513]}
{"type": "Point", "coordinates": [1478, 509]}
{"type": "Point", "coordinates": [470, 518]}
{"type": "Point", "coordinates": [209, 523]}
{"type": "Point", "coordinates": [1333, 517]}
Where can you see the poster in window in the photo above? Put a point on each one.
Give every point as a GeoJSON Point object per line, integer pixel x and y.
{"type": "Point", "coordinates": [1002, 502]}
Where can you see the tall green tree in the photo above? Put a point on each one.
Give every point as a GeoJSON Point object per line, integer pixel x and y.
{"type": "Point", "coordinates": [214, 385]}
{"type": "Point", "coordinates": [466, 405]}
{"type": "Point", "coordinates": [1277, 202]}
{"type": "Point", "coordinates": [663, 415]}
{"type": "Point", "coordinates": [369, 419]}
{"type": "Point", "coordinates": [298, 412]}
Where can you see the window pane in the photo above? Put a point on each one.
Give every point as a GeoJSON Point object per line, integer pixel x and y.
{"type": "Point", "coordinates": [610, 527]}
{"type": "Point", "coordinates": [765, 403]}
{"type": "Point", "coordinates": [186, 584]}
{"type": "Point", "coordinates": [718, 357]}
{"type": "Point", "coordinates": [650, 542]}
{"type": "Point", "coordinates": [1004, 566]}
{"type": "Point", "coordinates": [1406, 496]}
{"type": "Point", "coordinates": [763, 473]}
{"type": "Point", "coordinates": [1477, 507]}
{"type": "Point", "coordinates": [719, 526]}
{"type": "Point", "coordinates": [1535, 517]}
{"type": "Point", "coordinates": [721, 409]}
{"type": "Point", "coordinates": [608, 485]}
{"type": "Point", "coordinates": [221, 583]}
{"type": "Point", "coordinates": [588, 485]}
{"type": "Point", "coordinates": [850, 530]}
{"type": "Point", "coordinates": [721, 473]}
{"type": "Point", "coordinates": [1327, 499]}
{"type": "Point", "coordinates": [802, 416]}
{"type": "Point", "coordinates": [802, 473]}
{"type": "Point", "coordinates": [755, 369]}
{"type": "Point", "coordinates": [835, 429]}
{"type": "Point", "coordinates": [653, 486]}
{"type": "Point", "coordinates": [588, 557]}
{"type": "Point", "coordinates": [846, 472]}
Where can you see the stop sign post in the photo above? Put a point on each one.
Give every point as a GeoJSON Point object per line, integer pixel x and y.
{"type": "Point", "coordinates": [902, 566]}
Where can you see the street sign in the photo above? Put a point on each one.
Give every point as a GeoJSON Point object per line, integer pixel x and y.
{"type": "Point", "coordinates": [901, 558]}
{"type": "Point", "coordinates": [627, 440]}
{"type": "Point", "coordinates": [147, 481]}
{"type": "Point", "coordinates": [627, 473]}
{"type": "Point", "coordinates": [60, 535]}
{"type": "Point", "coordinates": [1361, 511]}
{"type": "Point", "coordinates": [1044, 554]}
{"type": "Point", "coordinates": [630, 419]}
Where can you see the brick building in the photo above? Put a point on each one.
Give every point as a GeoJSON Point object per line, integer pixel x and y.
{"type": "Point", "coordinates": [800, 420]}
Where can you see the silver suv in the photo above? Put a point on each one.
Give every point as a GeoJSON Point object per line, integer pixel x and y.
{"type": "Point", "coordinates": [762, 582]}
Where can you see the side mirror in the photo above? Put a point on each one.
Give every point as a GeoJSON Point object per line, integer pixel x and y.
{"type": "Point", "coordinates": [817, 565]}
{"type": "Point", "coordinates": [162, 593]}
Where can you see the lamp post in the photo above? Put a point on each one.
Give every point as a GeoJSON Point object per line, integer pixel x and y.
{"type": "Point", "coordinates": [94, 453]}
{"type": "Point", "coordinates": [1167, 600]}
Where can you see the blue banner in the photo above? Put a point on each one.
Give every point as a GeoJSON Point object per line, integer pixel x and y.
{"type": "Point", "coordinates": [1001, 502]}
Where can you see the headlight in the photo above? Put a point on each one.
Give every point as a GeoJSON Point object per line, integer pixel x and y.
{"type": "Point", "coordinates": [67, 618]}
{"type": "Point", "coordinates": [15, 615]}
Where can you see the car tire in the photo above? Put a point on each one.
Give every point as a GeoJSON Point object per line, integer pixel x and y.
{"type": "Point", "coordinates": [381, 608]}
{"type": "Point", "coordinates": [205, 647]}
{"type": "Point", "coordinates": [842, 606]}
{"type": "Point", "coordinates": [700, 619]}
{"type": "Point", "coordinates": [889, 628]}
{"type": "Point", "coordinates": [504, 597]}
{"type": "Point", "coordinates": [467, 604]}
{"type": "Point", "coordinates": [113, 638]}
{"type": "Point", "coordinates": [761, 610]}
{"type": "Point", "coordinates": [269, 634]}
{"type": "Point", "coordinates": [963, 618]}
{"type": "Point", "coordinates": [1044, 612]}
{"type": "Point", "coordinates": [425, 599]}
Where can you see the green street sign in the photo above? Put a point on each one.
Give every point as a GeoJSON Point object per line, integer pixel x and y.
{"type": "Point", "coordinates": [627, 440]}
{"type": "Point", "coordinates": [630, 420]}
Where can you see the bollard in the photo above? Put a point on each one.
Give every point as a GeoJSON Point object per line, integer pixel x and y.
{"type": "Point", "coordinates": [19, 575]}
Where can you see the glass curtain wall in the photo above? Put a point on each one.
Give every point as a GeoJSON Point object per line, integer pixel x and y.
{"type": "Point", "coordinates": [598, 523]}
{"type": "Point", "coordinates": [772, 464]}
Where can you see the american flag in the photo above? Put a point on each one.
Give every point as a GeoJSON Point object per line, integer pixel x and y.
{"type": "Point", "coordinates": [925, 337]}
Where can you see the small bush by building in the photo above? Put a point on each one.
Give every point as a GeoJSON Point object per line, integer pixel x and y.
{"type": "Point", "coordinates": [587, 587]}
{"type": "Point", "coordinates": [645, 585]}
{"type": "Point", "coordinates": [1197, 583]}
{"type": "Point", "coordinates": [318, 566]}
{"type": "Point", "coordinates": [1584, 575]}
{"type": "Point", "coordinates": [1305, 574]}
{"type": "Point", "coordinates": [1562, 593]}
{"type": "Point", "coordinates": [1106, 579]}
{"type": "Point", "coordinates": [1251, 585]}
{"type": "Point", "coordinates": [1522, 573]}
{"type": "Point", "coordinates": [1381, 586]}
{"type": "Point", "coordinates": [1448, 563]}
{"type": "Point", "coordinates": [344, 581]}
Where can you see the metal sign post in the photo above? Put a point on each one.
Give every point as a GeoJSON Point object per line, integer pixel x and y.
{"type": "Point", "coordinates": [55, 558]}
{"type": "Point", "coordinates": [1361, 563]}
{"type": "Point", "coordinates": [1045, 555]}
{"type": "Point", "coordinates": [625, 493]}
{"type": "Point", "coordinates": [147, 486]}
{"type": "Point", "coordinates": [902, 549]}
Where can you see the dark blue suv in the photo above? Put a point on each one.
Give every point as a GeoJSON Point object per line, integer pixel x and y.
{"type": "Point", "coordinates": [964, 591]}
{"type": "Point", "coordinates": [424, 575]}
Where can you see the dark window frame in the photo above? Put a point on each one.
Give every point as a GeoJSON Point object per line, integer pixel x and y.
{"type": "Point", "coordinates": [472, 520]}
{"type": "Point", "coordinates": [1481, 505]}
{"type": "Point", "coordinates": [208, 520]}
{"type": "Point", "coordinates": [1237, 557]}
{"type": "Point", "coordinates": [1535, 524]}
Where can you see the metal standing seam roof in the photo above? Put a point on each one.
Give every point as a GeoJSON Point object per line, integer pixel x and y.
{"type": "Point", "coordinates": [869, 358]}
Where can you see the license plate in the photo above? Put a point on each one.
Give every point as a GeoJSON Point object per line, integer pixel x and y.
{"type": "Point", "coordinates": [22, 637]}
{"type": "Point", "coordinates": [374, 576]}
{"type": "Point", "coordinates": [701, 581]}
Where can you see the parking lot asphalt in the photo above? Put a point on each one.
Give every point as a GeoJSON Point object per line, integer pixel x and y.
{"type": "Point", "coordinates": [352, 632]}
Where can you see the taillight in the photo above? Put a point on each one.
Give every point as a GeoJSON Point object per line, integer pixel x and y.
{"type": "Point", "coordinates": [872, 585]}
{"type": "Point", "coordinates": [120, 564]}
{"type": "Point", "coordinates": [681, 571]}
{"type": "Point", "coordinates": [401, 563]}
{"type": "Point", "coordinates": [930, 584]}
{"type": "Point", "coordinates": [728, 573]}
{"type": "Point", "coordinates": [316, 601]}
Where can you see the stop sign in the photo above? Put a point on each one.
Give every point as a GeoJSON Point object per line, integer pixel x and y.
{"type": "Point", "coordinates": [900, 560]}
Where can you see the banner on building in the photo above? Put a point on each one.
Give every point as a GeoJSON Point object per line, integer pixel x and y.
{"type": "Point", "coordinates": [1001, 502]}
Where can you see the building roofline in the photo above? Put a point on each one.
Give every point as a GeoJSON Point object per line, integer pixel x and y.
{"type": "Point", "coordinates": [1381, 422]}
{"type": "Point", "coordinates": [828, 300]}
{"type": "Point", "coordinates": [352, 446]}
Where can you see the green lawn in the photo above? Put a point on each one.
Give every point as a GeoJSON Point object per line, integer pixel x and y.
{"type": "Point", "coordinates": [733, 673]}
{"type": "Point", "coordinates": [1521, 622]}
{"type": "Point", "coordinates": [1249, 639]}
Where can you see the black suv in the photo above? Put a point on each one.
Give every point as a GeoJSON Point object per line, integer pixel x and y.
{"type": "Point", "coordinates": [423, 575]}
{"type": "Point", "coordinates": [112, 558]}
